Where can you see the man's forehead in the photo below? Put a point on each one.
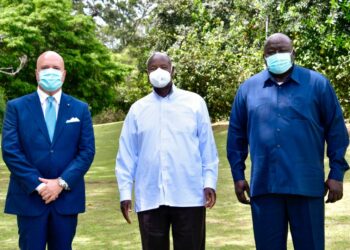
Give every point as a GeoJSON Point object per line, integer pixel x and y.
{"type": "Point", "coordinates": [160, 58]}
{"type": "Point", "coordinates": [278, 39]}
{"type": "Point", "coordinates": [50, 57]}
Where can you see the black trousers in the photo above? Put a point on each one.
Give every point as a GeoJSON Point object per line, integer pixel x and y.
{"type": "Point", "coordinates": [187, 225]}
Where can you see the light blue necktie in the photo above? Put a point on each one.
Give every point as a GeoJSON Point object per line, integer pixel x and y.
{"type": "Point", "coordinates": [50, 116]}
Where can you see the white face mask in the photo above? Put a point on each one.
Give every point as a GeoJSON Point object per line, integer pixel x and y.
{"type": "Point", "coordinates": [159, 78]}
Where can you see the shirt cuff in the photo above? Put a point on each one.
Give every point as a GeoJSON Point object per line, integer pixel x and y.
{"type": "Point", "coordinates": [125, 195]}
{"type": "Point", "coordinates": [238, 175]}
{"type": "Point", "coordinates": [41, 185]}
{"type": "Point", "coordinates": [337, 175]}
{"type": "Point", "coordinates": [210, 183]}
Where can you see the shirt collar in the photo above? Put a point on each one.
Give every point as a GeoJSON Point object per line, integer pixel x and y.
{"type": "Point", "coordinates": [294, 76]}
{"type": "Point", "coordinates": [43, 96]}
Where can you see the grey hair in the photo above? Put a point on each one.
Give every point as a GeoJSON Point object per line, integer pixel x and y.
{"type": "Point", "coordinates": [155, 53]}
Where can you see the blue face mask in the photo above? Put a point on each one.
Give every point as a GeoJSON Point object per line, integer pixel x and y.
{"type": "Point", "coordinates": [279, 63]}
{"type": "Point", "coordinates": [50, 79]}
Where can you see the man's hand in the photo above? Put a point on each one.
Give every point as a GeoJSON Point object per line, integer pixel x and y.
{"type": "Point", "coordinates": [210, 197]}
{"type": "Point", "coordinates": [125, 207]}
{"type": "Point", "coordinates": [51, 190]}
{"type": "Point", "coordinates": [240, 188]}
{"type": "Point", "coordinates": [334, 189]}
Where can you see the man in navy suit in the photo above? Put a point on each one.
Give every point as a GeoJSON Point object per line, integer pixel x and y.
{"type": "Point", "coordinates": [286, 114]}
{"type": "Point", "coordinates": [48, 146]}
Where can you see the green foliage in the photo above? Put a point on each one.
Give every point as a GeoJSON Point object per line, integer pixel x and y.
{"type": "Point", "coordinates": [109, 115]}
{"type": "Point", "coordinates": [210, 68]}
{"type": "Point", "coordinates": [212, 47]}
{"type": "Point", "coordinates": [32, 27]}
{"type": "Point", "coordinates": [2, 106]}
{"type": "Point", "coordinates": [323, 42]}
{"type": "Point", "coordinates": [134, 86]}
{"type": "Point", "coordinates": [120, 22]}
{"type": "Point", "coordinates": [217, 44]}
{"type": "Point", "coordinates": [321, 34]}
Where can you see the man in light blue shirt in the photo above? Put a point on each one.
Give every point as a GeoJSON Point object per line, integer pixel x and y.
{"type": "Point", "coordinates": [167, 151]}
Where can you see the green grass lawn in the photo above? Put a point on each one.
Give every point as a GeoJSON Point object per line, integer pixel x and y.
{"type": "Point", "coordinates": [228, 223]}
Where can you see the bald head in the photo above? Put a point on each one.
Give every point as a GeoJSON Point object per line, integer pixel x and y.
{"type": "Point", "coordinates": [50, 60]}
{"type": "Point", "coordinates": [50, 57]}
{"type": "Point", "coordinates": [277, 43]}
{"type": "Point", "coordinates": [278, 37]}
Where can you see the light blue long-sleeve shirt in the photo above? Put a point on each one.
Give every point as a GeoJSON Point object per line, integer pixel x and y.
{"type": "Point", "coordinates": [167, 149]}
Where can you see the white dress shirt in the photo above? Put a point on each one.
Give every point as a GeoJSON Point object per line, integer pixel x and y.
{"type": "Point", "coordinates": [167, 149]}
{"type": "Point", "coordinates": [43, 97]}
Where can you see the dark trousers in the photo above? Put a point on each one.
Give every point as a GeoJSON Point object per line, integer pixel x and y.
{"type": "Point", "coordinates": [272, 214]}
{"type": "Point", "coordinates": [51, 228]}
{"type": "Point", "coordinates": [187, 225]}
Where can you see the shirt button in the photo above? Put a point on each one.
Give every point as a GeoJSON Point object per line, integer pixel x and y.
{"type": "Point", "coordinates": [51, 151]}
{"type": "Point", "coordinates": [278, 130]}
{"type": "Point", "coordinates": [279, 115]}
{"type": "Point", "coordinates": [278, 145]}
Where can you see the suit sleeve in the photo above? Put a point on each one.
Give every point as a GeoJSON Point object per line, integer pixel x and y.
{"type": "Point", "coordinates": [85, 152]}
{"type": "Point", "coordinates": [13, 154]}
{"type": "Point", "coordinates": [237, 141]}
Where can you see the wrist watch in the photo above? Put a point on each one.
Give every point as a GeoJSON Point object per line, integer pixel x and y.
{"type": "Point", "coordinates": [63, 184]}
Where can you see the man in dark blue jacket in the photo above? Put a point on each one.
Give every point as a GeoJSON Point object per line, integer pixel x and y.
{"type": "Point", "coordinates": [48, 146]}
{"type": "Point", "coordinates": [285, 114]}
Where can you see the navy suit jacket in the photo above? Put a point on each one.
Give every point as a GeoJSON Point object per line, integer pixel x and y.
{"type": "Point", "coordinates": [29, 154]}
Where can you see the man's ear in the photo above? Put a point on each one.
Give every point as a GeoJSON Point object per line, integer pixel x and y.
{"type": "Point", "coordinates": [63, 75]}
{"type": "Point", "coordinates": [147, 72]}
{"type": "Point", "coordinates": [293, 55]}
{"type": "Point", "coordinates": [263, 56]}
{"type": "Point", "coordinates": [37, 75]}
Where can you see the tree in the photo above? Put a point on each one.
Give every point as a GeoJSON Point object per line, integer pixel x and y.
{"type": "Point", "coordinates": [213, 46]}
{"type": "Point", "coordinates": [32, 27]}
{"type": "Point", "coordinates": [321, 33]}
{"type": "Point", "coordinates": [323, 42]}
{"type": "Point", "coordinates": [217, 44]}
{"type": "Point", "coordinates": [120, 22]}
{"type": "Point", "coordinates": [10, 70]}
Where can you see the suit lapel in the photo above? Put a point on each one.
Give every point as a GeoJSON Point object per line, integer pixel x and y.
{"type": "Point", "coordinates": [63, 115]}
{"type": "Point", "coordinates": [34, 105]}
